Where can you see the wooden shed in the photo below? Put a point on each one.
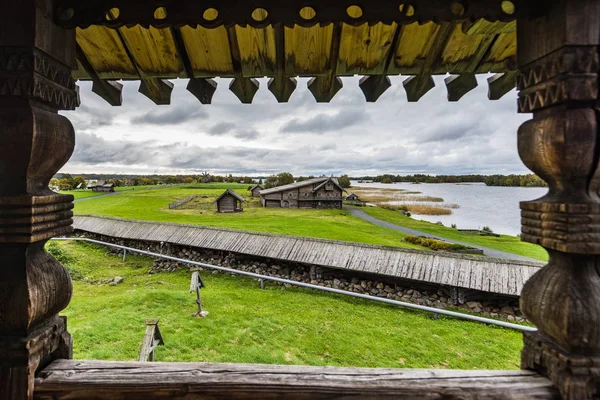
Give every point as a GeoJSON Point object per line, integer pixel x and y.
{"type": "Point", "coordinates": [255, 190]}
{"type": "Point", "coordinates": [229, 201]}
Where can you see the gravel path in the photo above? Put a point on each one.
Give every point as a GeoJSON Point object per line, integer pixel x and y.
{"type": "Point", "coordinates": [487, 251]}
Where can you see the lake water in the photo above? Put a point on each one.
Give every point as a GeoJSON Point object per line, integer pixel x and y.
{"type": "Point", "coordinates": [480, 205]}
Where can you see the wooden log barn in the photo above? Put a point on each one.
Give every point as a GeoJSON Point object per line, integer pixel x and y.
{"type": "Point", "coordinates": [229, 201]}
{"type": "Point", "coordinates": [255, 190]}
{"type": "Point", "coordinates": [47, 45]}
{"type": "Point", "coordinates": [323, 192]}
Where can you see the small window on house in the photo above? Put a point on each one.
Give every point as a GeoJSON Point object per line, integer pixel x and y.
{"type": "Point", "coordinates": [290, 195]}
{"type": "Point", "coordinates": [329, 186]}
{"type": "Point", "coordinates": [306, 194]}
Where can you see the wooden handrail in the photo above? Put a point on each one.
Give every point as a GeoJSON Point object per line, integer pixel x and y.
{"type": "Point", "coordinates": [152, 338]}
{"type": "Point", "coordinates": [133, 380]}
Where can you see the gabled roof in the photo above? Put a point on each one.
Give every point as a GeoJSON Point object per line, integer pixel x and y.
{"type": "Point", "coordinates": [256, 186]}
{"type": "Point", "coordinates": [231, 192]}
{"type": "Point", "coordinates": [295, 185]}
{"type": "Point", "coordinates": [332, 180]}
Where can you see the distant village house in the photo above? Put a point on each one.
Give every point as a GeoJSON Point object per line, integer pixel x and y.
{"type": "Point", "coordinates": [255, 190]}
{"type": "Point", "coordinates": [102, 186]}
{"type": "Point", "coordinates": [229, 201]}
{"type": "Point", "coordinates": [352, 197]}
{"type": "Point", "coordinates": [321, 192]}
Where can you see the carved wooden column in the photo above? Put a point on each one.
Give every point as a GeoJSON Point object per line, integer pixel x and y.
{"type": "Point", "coordinates": [36, 59]}
{"type": "Point", "coordinates": [559, 63]}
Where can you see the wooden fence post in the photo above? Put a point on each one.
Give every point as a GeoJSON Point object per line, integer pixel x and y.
{"type": "Point", "coordinates": [36, 59]}
{"type": "Point", "coordinates": [152, 339]}
{"type": "Point", "coordinates": [196, 284]}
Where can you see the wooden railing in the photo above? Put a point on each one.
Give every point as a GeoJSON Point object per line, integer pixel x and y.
{"type": "Point", "coordinates": [133, 380]}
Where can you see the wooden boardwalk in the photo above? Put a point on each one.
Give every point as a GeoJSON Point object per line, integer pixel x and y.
{"type": "Point", "coordinates": [504, 277]}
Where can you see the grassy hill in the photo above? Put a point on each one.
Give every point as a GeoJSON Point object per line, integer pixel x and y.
{"type": "Point", "coordinates": [277, 325]}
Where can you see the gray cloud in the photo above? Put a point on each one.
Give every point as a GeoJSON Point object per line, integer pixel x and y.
{"type": "Point", "coordinates": [172, 116]}
{"type": "Point", "coordinates": [324, 123]}
{"type": "Point", "coordinates": [390, 136]}
{"type": "Point", "coordinates": [221, 128]}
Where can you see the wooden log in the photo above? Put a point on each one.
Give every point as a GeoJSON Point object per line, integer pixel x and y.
{"type": "Point", "coordinates": [281, 86]}
{"type": "Point", "coordinates": [243, 87]}
{"type": "Point", "coordinates": [86, 379]}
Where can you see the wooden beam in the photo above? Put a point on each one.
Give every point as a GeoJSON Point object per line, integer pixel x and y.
{"type": "Point", "coordinates": [243, 88]}
{"type": "Point", "coordinates": [84, 379]}
{"type": "Point", "coordinates": [459, 85]}
{"type": "Point", "coordinates": [202, 88]}
{"type": "Point", "coordinates": [111, 91]}
{"type": "Point", "coordinates": [501, 84]}
{"type": "Point", "coordinates": [416, 86]}
{"type": "Point", "coordinates": [375, 85]}
{"type": "Point", "coordinates": [157, 90]}
{"type": "Point", "coordinates": [281, 86]}
{"type": "Point", "coordinates": [324, 87]}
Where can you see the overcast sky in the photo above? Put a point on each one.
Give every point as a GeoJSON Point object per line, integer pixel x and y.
{"type": "Point", "coordinates": [348, 135]}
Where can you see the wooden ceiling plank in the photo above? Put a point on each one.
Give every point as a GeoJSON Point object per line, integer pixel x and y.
{"type": "Point", "coordinates": [324, 87]}
{"type": "Point", "coordinates": [244, 88]}
{"type": "Point", "coordinates": [416, 86]}
{"type": "Point", "coordinates": [281, 86]}
{"type": "Point", "coordinates": [110, 91]}
{"type": "Point", "coordinates": [375, 85]}
{"type": "Point", "coordinates": [203, 89]}
{"type": "Point", "coordinates": [501, 84]}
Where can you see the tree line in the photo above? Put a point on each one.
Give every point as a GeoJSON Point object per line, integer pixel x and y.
{"type": "Point", "coordinates": [70, 182]}
{"type": "Point", "coordinates": [528, 180]}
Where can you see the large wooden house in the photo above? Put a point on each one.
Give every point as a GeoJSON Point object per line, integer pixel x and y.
{"type": "Point", "coordinates": [229, 201]}
{"type": "Point", "coordinates": [321, 192]}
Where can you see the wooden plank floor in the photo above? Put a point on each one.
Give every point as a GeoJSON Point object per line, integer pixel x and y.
{"type": "Point", "coordinates": [72, 379]}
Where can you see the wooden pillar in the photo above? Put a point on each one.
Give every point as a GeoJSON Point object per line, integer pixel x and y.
{"type": "Point", "coordinates": [559, 64]}
{"type": "Point", "coordinates": [36, 59]}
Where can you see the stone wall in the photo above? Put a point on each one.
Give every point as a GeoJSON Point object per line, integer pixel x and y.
{"type": "Point", "coordinates": [481, 303]}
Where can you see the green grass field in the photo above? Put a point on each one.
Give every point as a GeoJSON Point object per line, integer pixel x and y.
{"type": "Point", "coordinates": [510, 244]}
{"type": "Point", "coordinates": [81, 194]}
{"type": "Point", "coordinates": [247, 325]}
{"type": "Point", "coordinates": [152, 205]}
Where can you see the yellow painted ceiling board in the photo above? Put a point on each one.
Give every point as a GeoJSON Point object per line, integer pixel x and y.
{"type": "Point", "coordinates": [413, 46]}
{"type": "Point", "coordinates": [364, 49]}
{"type": "Point", "coordinates": [105, 51]}
{"type": "Point", "coordinates": [460, 50]}
{"type": "Point", "coordinates": [308, 50]}
{"type": "Point", "coordinates": [257, 51]}
{"type": "Point", "coordinates": [504, 48]}
{"type": "Point", "coordinates": [208, 51]}
{"type": "Point", "coordinates": [154, 50]}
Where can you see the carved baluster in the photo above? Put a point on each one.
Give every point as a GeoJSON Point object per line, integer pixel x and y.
{"type": "Point", "coordinates": [559, 64]}
{"type": "Point", "coordinates": [36, 59]}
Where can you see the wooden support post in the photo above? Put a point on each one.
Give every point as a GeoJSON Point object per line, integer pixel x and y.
{"type": "Point", "coordinates": [36, 59]}
{"type": "Point", "coordinates": [244, 88]}
{"type": "Point", "coordinates": [324, 87]}
{"type": "Point", "coordinates": [559, 63]}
